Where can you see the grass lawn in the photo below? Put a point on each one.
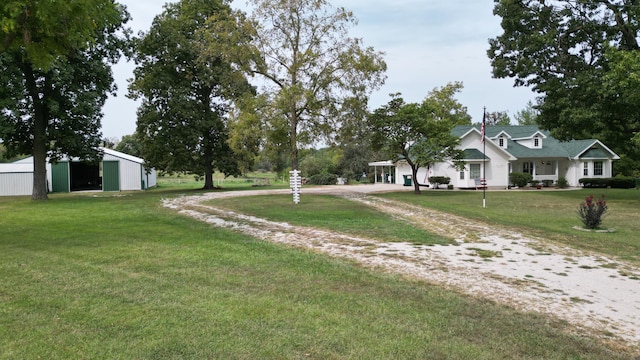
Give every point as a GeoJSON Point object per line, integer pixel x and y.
{"type": "Point", "coordinates": [116, 276]}
{"type": "Point", "coordinates": [547, 214]}
{"type": "Point", "coordinates": [330, 212]}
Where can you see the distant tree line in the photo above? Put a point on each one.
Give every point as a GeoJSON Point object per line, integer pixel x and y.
{"type": "Point", "coordinates": [221, 90]}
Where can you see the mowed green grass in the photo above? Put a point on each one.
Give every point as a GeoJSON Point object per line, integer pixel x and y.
{"type": "Point", "coordinates": [99, 276]}
{"type": "Point", "coordinates": [547, 214]}
{"type": "Point", "coordinates": [332, 213]}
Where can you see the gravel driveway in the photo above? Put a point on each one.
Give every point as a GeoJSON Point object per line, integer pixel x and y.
{"type": "Point", "coordinates": [600, 296]}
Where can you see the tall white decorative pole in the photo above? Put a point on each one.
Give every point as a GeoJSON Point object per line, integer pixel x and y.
{"type": "Point", "coordinates": [295, 182]}
{"type": "Point", "coordinates": [484, 158]}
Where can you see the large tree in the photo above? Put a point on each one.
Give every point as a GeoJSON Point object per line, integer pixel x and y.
{"type": "Point", "coordinates": [312, 71]}
{"type": "Point", "coordinates": [497, 118]}
{"type": "Point", "coordinates": [56, 75]}
{"type": "Point", "coordinates": [186, 92]}
{"type": "Point", "coordinates": [582, 57]}
{"type": "Point", "coordinates": [420, 134]}
{"type": "Point", "coordinates": [528, 115]}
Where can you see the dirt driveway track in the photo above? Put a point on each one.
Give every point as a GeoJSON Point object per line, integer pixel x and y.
{"type": "Point", "coordinates": [600, 296]}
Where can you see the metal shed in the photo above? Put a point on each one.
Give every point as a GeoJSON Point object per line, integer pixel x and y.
{"type": "Point", "coordinates": [116, 172]}
{"type": "Point", "coordinates": [16, 179]}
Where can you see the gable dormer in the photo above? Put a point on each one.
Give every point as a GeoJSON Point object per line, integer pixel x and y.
{"type": "Point", "coordinates": [533, 141]}
{"type": "Point", "coordinates": [501, 139]}
{"type": "Point", "coordinates": [537, 142]}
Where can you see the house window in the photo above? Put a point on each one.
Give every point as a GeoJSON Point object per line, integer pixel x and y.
{"type": "Point", "coordinates": [597, 168]}
{"type": "Point", "coordinates": [585, 169]}
{"type": "Point", "coordinates": [527, 168]}
{"type": "Point", "coordinates": [474, 171]}
{"type": "Point", "coordinates": [462, 175]}
{"type": "Point", "coordinates": [501, 142]}
{"type": "Point", "coordinates": [536, 142]}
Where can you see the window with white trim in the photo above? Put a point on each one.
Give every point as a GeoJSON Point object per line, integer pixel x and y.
{"type": "Point", "coordinates": [597, 168]}
{"type": "Point", "coordinates": [462, 175]}
{"type": "Point", "coordinates": [585, 169]}
{"type": "Point", "coordinates": [501, 142]}
{"type": "Point", "coordinates": [536, 142]}
{"type": "Point", "coordinates": [474, 171]}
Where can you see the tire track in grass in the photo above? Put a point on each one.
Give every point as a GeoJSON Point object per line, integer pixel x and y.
{"type": "Point", "coordinates": [586, 290]}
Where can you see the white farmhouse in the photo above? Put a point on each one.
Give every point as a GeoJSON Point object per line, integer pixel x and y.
{"type": "Point", "coordinates": [508, 149]}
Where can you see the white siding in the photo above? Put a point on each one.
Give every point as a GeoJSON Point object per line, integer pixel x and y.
{"type": "Point", "coordinates": [402, 168]}
{"type": "Point", "coordinates": [131, 170]}
{"type": "Point", "coordinates": [15, 184]}
{"type": "Point", "coordinates": [17, 178]}
{"type": "Point", "coordinates": [497, 167]}
{"type": "Point", "coordinates": [150, 178]}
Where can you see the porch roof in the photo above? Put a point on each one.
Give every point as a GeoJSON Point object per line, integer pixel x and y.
{"type": "Point", "coordinates": [382, 163]}
{"type": "Point", "coordinates": [474, 154]}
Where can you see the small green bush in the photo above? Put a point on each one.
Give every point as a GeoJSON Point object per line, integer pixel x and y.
{"type": "Point", "coordinates": [547, 183]}
{"type": "Point", "coordinates": [437, 180]}
{"type": "Point", "coordinates": [562, 182]}
{"type": "Point", "coordinates": [618, 182]}
{"type": "Point", "coordinates": [520, 179]}
{"type": "Point", "coordinates": [323, 179]}
{"type": "Point", "coordinates": [622, 182]}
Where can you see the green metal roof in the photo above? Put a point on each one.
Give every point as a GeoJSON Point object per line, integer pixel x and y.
{"type": "Point", "coordinates": [474, 154]}
{"type": "Point", "coordinates": [551, 147]}
{"type": "Point", "coordinates": [594, 153]}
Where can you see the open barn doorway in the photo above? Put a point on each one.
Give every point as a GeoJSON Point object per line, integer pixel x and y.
{"type": "Point", "coordinates": [85, 176]}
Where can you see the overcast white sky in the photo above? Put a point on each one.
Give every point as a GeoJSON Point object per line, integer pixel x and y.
{"type": "Point", "coordinates": [427, 43]}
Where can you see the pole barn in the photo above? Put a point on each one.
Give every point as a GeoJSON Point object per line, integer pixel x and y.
{"type": "Point", "coordinates": [116, 172]}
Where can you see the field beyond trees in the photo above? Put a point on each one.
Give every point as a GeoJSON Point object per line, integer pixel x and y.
{"type": "Point", "coordinates": [102, 275]}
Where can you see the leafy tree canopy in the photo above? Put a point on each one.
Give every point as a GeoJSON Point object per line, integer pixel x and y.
{"type": "Point", "coordinates": [420, 133]}
{"type": "Point", "coordinates": [527, 116]}
{"type": "Point", "coordinates": [129, 144]}
{"type": "Point", "coordinates": [309, 68]}
{"type": "Point", "coordinates": [44, 30]}
{"type": "Point", "coordinates": [55, 64]}
{"type": "Point", "coordinates": [187, 92]}
{"type": "Point", "coordinates": [582, 57]}
{"type": "Point", "coordinates": [497, 118]}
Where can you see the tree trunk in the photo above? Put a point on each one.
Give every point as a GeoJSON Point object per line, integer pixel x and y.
{"type": "Point", "coordinates": [39, 150]}
{"type": "Point", "coordinates": [208, 170]}
{"type": "Point", "coordinates": [414, 172]}
{"type": "Point", "coordinates": [208, 178]}
{"type": "Point", "coordinates": [39, 162]}
{"type": "Point", "coordinates": [293, 141]}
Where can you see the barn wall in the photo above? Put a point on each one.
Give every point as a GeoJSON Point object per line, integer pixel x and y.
{"type": "Point", "coordinates": [130, 176]}
{"type": "Point", "coordinates": [15, 184]}
{"type": "Point", "coordinates": [150, 178]}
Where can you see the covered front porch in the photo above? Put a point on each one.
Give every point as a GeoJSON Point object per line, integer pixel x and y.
{"type": "Point", "coordinates": [543, 170]}
{"type": "Point", "coordinates": [384, 172]}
